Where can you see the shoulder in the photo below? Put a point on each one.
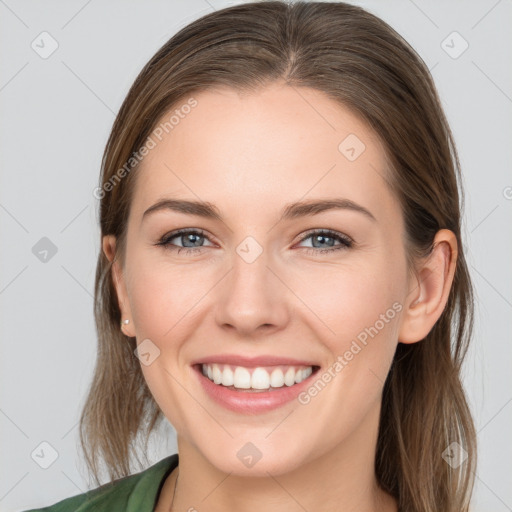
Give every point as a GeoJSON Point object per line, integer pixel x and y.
{"type": "Point", "coordinates": [138, 492]}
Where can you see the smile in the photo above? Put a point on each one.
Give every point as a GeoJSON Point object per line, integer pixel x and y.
{"type": "Point", "coordinates": [259, 378]}
{"type": "Point", "coordinates": [253, 390]}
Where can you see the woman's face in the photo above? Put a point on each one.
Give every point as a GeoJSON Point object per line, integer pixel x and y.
{"type": "Point", "coordinates": [257, 284]}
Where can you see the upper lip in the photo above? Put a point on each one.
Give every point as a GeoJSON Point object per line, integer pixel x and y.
{"type": "Point", "coordinates": [264, 360]}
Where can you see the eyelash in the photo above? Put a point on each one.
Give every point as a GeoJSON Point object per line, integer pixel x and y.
{"type": "Point", "coordinates": [346, 242]}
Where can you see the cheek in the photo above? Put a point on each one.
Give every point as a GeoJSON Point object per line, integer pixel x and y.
{"type": "Point", "coordinates": [162, 299]}
{"type": "Point", "coordinates": [357, 314]}
{"type": "Point", "coordinates": [357, 310]}
{"type": "Point", "coordinates": [161, 295]}
{"type": "Point", "coordinates": [346, 301]}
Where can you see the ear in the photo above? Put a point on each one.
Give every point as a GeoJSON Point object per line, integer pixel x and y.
{"type": "Point", "coordinates": [428, 295]}
{"type": "Point", "coordinates": [109, 248]}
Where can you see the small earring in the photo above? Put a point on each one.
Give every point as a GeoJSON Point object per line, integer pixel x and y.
{"type": "Point", "coordinates": [125, 322]}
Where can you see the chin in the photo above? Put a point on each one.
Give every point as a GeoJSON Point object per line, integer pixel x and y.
{"type": "Point", "coordinates": [248, 459]}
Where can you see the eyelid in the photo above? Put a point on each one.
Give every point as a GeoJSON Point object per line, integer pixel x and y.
{"type": "Point", "coordinates": [185, 231]}
{"type": "Point", "coordinates": [326, 231]}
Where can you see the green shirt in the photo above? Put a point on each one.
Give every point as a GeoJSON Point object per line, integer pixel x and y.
{"type": "Point", "coordinates": [133, 493]}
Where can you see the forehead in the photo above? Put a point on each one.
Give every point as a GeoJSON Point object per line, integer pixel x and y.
{"type": "Point", "coordinates": [270, 147]}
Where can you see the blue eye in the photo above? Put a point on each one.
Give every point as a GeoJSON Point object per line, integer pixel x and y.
{"type": "Point", "coordinates": [191, 235]}
{"type": "Point", "coordinates": [320, 236]}
{"type": "Point", "coordinates": [197, 236]}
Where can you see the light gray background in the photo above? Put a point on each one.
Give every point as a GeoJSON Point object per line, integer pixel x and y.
{"type": "Point", "coordinates": [56, 115]}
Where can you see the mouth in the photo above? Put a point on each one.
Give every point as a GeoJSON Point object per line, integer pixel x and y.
{"type": "Point", "coordinates": [253, 390]}
{"type": "Point", "coordinates": [255, 379]}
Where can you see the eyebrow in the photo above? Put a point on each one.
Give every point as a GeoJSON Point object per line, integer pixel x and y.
{"type": "Point", "coordinates": [290, 211]}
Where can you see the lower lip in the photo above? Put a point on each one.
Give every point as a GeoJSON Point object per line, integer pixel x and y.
{"type": "Point", "coordinates": [248, 402]}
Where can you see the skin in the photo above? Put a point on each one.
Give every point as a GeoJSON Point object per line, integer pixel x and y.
{"type": "Point", "coordinates": [250, 154]}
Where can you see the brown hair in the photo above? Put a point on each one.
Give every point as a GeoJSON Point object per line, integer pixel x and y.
{"type": "Point", "coordinates": [361, 62]}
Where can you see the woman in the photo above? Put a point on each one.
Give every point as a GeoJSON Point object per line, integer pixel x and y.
{"type": "Point", "coordinates": [282, 275]}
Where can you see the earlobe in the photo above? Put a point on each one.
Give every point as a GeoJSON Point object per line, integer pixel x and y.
{"type": "Point", "coordinates": [109, 248]}
{"type": "Point", "coordinates": [427, 299]}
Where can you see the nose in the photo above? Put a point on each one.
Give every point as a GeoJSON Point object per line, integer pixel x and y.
{"type": "Point", "coordinates": [253, 298]}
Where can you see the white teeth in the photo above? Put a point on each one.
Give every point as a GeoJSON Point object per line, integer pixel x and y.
{"type": "Point", "coordinates": [304, 374]}
{"type": "Point", "coordinates": [241, 378]}
{"type": "Point", "coordinates": [289, 377]}
{"type": "Point", "coordinates": [260, 379]}
{"type": "Point", "coordinates": [227, 376]}
{"type": "Point", "coordinates": [277, 378]}
{"type": "Point", "coordinates": [217, 374]}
